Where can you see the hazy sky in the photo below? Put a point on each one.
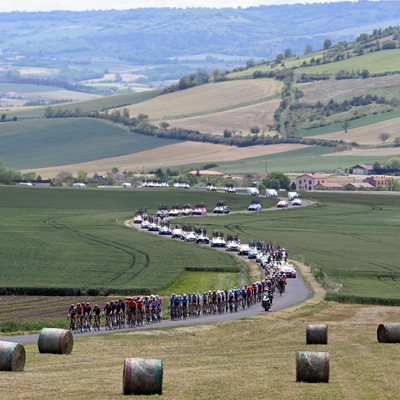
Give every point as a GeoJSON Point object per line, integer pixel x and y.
{"type": "Point", "coordinates": [75, 5]}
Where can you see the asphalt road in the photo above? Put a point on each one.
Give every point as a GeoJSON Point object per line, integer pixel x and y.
{"type": "Point", "coordinates": [296, 292]}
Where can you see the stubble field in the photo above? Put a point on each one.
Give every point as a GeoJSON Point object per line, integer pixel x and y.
{"type": "Point", "coordinates": [240, 121]}
{"type": "Point", "coordinates": [247, 358]}
{"type": "Point", "coordinates": [183, 153]}
{"type": "Point", "coordinates": [366, 135]}
{"type": "Point", "coordinates": [205, 98]}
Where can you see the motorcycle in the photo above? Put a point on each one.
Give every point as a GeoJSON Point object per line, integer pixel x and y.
{"type": "Point", "coordinates": [266, 302]}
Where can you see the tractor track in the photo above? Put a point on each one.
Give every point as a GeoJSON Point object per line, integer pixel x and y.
{"type": "Point", "coordinates": [297, 293]}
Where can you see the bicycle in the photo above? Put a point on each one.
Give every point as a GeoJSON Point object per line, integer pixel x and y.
{"type": "Point", "coordinates": [97, 324]}
{"type": "Point", "coordinates": [73, 326]}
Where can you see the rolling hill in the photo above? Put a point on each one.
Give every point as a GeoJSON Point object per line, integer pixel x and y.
{"type": "Point", "coordinates": [298, 102]}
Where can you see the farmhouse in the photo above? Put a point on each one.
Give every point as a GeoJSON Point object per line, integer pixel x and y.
{"type": "Point", "coordinates": [377, 181]}
{"type": "Point", "coordinates": [328, 186]}
{"type": "Point", "coordinates": [309, 181]}
{"type": "Point", "coordinates": [362, 169]}
{"type": "Point", "coordinates": [358, 186]}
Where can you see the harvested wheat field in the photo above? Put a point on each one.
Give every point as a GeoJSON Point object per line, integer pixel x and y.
{"type": "Point", "coordinates": [240, 120]}
{"type": "Point", "coordinates": [366, 134]}
{"type": "Point", "coordinates": [340, 89]}
{"type": "Point", "coordinates": [204, 98]}
{"type": "Point", "coordinates": [234, 360]}
{"type": "Point", "coordinates": [183, 153]}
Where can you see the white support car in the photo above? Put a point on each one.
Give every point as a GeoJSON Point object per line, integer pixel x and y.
{"type": "Point", "coordinates": [282, 204]}
{"type": "Point", "coordinates": [296, 202]}
{"type": "Point", "coordinates": [232, 245]}
{"type": "Point", "coordinates": [253, 191]}
{"type": "Point", "coordinates": [218, 241]}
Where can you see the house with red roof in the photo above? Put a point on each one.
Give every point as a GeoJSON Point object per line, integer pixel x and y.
{"type": "Point", "coordinates": [376, 181]}
{"type": "Point", "coordinates": [328, 186]}
{"type": "Point", "coordinates": [309, 181]}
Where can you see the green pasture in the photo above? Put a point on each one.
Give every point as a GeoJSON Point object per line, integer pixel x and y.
{"type": "Point", "coordinates": [62, 239]}
{"type": "Point", "coordinates": [102, 103]}
{"type": "Point", "coordinates": [376, 63]}
{"type": "Point", "coordinates": [352, 238]}
{"type": "Point", "coordinates": [307, 159]}
{"type": "Point", "coordinates": [294, 62]}
{"type": "Point", "coordinates": [355, 123]}
{"type": "Point", "coordinates": [49, 142]}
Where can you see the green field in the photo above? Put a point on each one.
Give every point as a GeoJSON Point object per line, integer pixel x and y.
{"type": "Point", "coordinates": [49, 142]}
{"type": "Point", "coordinates": [355, 123]}
{"type": "Point", "coordinates": [377, 63]}
{"type": "Point", "coordinates": [352, 238]}
{"type": "Point", "coordinates": [100, 104]}
{"type": "Point", "coordinates": [307, 159]}
{"type": "Point", "coordinates": [73, 238]}
{"type": "Point", "coordinates": [49, 237]}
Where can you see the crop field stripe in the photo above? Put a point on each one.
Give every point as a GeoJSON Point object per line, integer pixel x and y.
{"type": "Point", "coordinates": [223, 109]}
{"type": "Point", "coordinates": [128, 250]}
{"type": "Point", "coordinates": [356, 123]}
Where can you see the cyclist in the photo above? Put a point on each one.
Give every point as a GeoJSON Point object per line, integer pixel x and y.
{"type": "Point", "coordinates": [88, 314]}
{"type": "Point", "coordinates": [79, 311]}
{"type": "Point", "coordinates": [184, 302]}
{"type": "Point", "coordinates": [153, 308]}
{"type": "Point", "coordinates": [108, 313]}
{"type": "Point", "coordinates": [123, 307]}
{"type": "Point", "coordinates": [97, 316]}
{"type": "Point", "coordinates": [72, 316]}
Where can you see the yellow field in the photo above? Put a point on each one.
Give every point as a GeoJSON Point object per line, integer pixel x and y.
{"type": "Point", "coordinates": [253, 358]}
{"type": "Point", "coordinates": [205, 98]}
{"type": "Point", "coordinates": [172, 155]}
{"type": "Point", "coordinates": [241, 119]}
{"type": "Point", "coordinates": [366, 134]}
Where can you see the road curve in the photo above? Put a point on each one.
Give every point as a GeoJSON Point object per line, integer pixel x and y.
{"type": "Point", "coordinates": [297, 292]}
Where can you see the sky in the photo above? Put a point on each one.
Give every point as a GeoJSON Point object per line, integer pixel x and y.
{"type": "Point", "coordinates": [75, 5]}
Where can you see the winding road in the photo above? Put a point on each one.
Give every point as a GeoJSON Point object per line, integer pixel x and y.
{"type": "Point", "coordinates": [297, 292]}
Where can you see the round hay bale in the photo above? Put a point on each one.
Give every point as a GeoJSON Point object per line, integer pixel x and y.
{"type": "Point", "coordinates": [317, 334]}
{"type": "Point", "coordinates": [389, 333]}
{"type": "Point", "coordinates": [312, 367]}
{"type": "Point", "coordinates": [12, 356]}
{"type": "Point", "coordinates": [56, 341]}
{"type": "Point", "coordinates": [142, 376]}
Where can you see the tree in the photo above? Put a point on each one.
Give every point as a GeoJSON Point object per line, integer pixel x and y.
{"type": "Point", "coordinates": [164, 125]}
{"type": "Point", "coordinates": [394, 164]}
{"type": "Point", "coordinates": [288, 53]}
{"type": "Point", "coordinates": [276, 180]}
{"type": "Point", "coordinates": [364, 73]}
{"type": "Point", "coordinates": [396, 141]}
{"type": "Point", "coordinates": [255, 130]}
{"type": "Point", "coordinates": [308, 49]}
{"type": "Point", "coordinates": [383, 137]}
{"type": "Point", "coordinates": [65, 176]}
{"type": "Point", "coordinates": [327, 44]}
{"type": "Point", "coordinates": [227, 133]}
{"type": "Point", "coordinates": [393, 184]}
{"type": "Point", "coordinates": [250, 63]}
{"type": "Point", "coordinates": [346, 126]}
{"type": "Point", "coordinates": [376, 168]}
